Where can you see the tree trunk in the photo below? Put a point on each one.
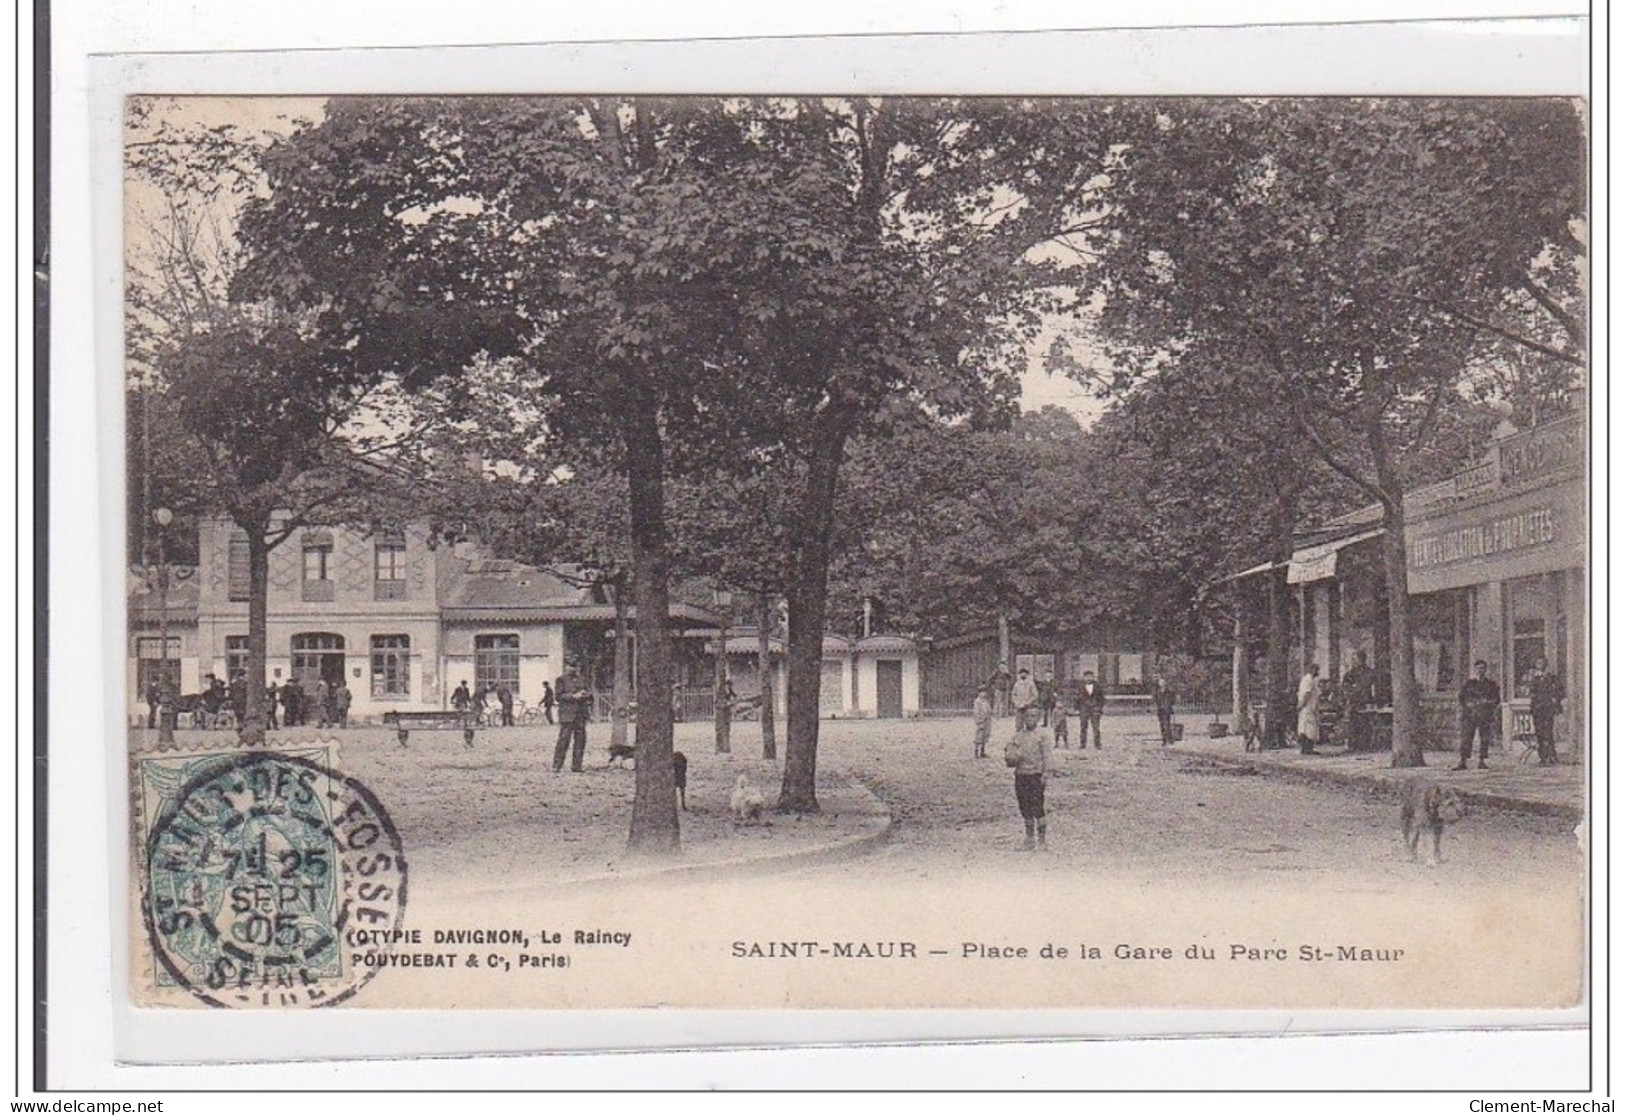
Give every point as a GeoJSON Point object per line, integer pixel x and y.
{"type": "Point", "coordinates": [808, 600]}
{"type": "Point", "coordinates": [654, 804]}
{"type": "Point", "coordinates": [1004, 642]}
{"type": "Point", "coordinates": [764, 671]}
{"type": "Point", "coordinates": [622, 686]}
{"type": "Point", "coordinates": [1401, 649]}
{"type": "Point", "coordinates": [251, 733]}
{"type": "Point", "coordinates": [1282, 720]}
{"type": "Point", "coordinates": [721, 710]}
{"type": "Point", "coordinates": [1281, 694]}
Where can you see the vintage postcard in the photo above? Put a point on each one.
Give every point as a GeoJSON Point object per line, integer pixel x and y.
{"type": "Point", "coordinates": [856, 552]}
{"type": "Point", "coordinates": [811, 553]}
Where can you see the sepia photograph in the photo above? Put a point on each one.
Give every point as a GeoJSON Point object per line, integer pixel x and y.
{"type": "Point", "coordinates": [855, 552]}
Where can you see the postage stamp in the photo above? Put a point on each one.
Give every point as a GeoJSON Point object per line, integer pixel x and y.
{"type": "Point", "coordinates": [268, 879]}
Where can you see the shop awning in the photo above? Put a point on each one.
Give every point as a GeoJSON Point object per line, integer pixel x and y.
{"type": "Point", "coordinates": [1317, 563]}
{"type": "Point", "coordinates": [1267, 567]}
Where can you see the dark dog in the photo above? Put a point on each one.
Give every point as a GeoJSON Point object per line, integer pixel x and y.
{"type": "Point", "coordinates": [619, 753]}
{"type": "Point", "coordinates": [1428, 805]}
{"type": "Point", "coordinates": [679, 776]}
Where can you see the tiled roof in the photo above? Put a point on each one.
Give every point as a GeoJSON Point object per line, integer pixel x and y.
{"type": "Point", "coordinates": [885, 644]}
{"type": "Point", "coordinates": [494, 583]}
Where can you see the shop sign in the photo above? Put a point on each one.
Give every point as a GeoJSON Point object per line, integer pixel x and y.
{"type": "Point", "coordinates": [1477, 480]}
{"type": "Point", "coordinates": [1522, 531]}
{"type": "Point", "coordinates": [1542, 453]}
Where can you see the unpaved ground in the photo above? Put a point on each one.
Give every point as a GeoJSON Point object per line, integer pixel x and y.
{"type": "Point", "coordinates": [1147, 851]}
{"type": "Point", "coordinates": [1132, 808]}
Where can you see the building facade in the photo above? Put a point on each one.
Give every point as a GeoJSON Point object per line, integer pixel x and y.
{"type": "Point", "coordinates": [400, 619]}
{"type": "Point", "coordinates": [1496, 571]}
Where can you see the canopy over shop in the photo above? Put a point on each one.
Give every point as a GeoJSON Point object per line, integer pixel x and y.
{"type": "Point", "coordinates": [1496, 571]}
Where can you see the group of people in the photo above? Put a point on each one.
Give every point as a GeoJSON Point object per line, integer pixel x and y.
{"type": "Point", "coordinates": [1044, 699]}
{"type": "Point", "coordinates": [1479, 699]}
{"type": "Point", "coordinates": [1037, 704]}
{"type": "Point", "coordinates": [324, 705]}
{"type": "Point", "coordinates": [1324, 707]}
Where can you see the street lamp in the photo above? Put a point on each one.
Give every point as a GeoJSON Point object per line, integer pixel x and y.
{"type": "Point", "coordinates": [163, 516]}
{"type": "Point", "coordinates": [724, 714]}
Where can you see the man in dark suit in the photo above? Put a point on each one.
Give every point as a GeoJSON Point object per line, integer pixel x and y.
{"type": "Point", "coordinates": [1162, 699]}
{"type": "Point", "coordinates": [1091, 703]}
{"type": "Point", "coordinates": [1480, 700]}
{"type": "Point", "coordinates": [1546, 695]}
{"type": "Point", "coordinates": [573, 697]}
{"type": "Point", "coordinates": [1359, 695]}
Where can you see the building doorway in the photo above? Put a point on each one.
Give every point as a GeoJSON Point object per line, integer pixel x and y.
{"type": "Point", "coordinates": [318, 656]}
{"type": "Point", "coordinates": [889, 688]}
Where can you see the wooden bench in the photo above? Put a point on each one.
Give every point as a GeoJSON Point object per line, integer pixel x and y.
{"type": "Point", "coordinates": [431, 720]}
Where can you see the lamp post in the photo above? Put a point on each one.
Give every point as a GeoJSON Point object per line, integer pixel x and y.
{"type": "Point", "coordinates": [723, 710]}
{"type": "Point", "coordinates": [163, 516]}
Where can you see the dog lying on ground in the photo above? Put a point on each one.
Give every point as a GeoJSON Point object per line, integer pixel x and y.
{"type": "Point", "coordinates": [619, 753]}
{"type": "Point", "coordinates": [1431, 806]}
{"type": "Point", "coordinates": [745, 802]}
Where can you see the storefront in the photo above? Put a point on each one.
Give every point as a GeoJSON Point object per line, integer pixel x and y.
{"type": "Point", "coordinates": [1495, 564]}
{"type": "Point", "coordinates": [1499, 574]}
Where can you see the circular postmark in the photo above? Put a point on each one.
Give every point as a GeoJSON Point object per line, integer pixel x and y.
{"type": "Point", "coordinates": [272, 881]}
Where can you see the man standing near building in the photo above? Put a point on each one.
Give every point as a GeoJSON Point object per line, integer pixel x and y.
{"type": "Point", "coordinates": [1309, 709]}
{"type": "Point", "coordinates": [573, 698]}
{"type": "Point", "coordinates": [1359, 694]}
{"type": "Point", "coordinates": [1480, 713]}
{"type": "Point", "coordinates": [1024, 695]}
{"type": "Point", "coordinates": [1546, 695]}
{"type": "Point", "coordinates": [999, 682]}
{"type": "Point", "coordinates": [1162, 699]}
{"type": "Point", "coordinates": [341, 704]}
{"type": "Point", "coordinates": [505, 702]}
{"type": "Point", "coordinates": [548, 701]}
{"type": "Point", "coordinates": [1091, 703]}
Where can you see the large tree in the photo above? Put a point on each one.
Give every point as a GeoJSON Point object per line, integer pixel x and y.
{"type": "Point", "coordinates": [933, 237]}
{"type": "Point", "coordinates": [609, 250]}
{"type": "Point", "coordinates": [702, 281]}
{"type": "Point", "coordinates": [1357, 254]}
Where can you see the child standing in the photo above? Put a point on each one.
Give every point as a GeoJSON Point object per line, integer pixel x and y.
{"type": "Point", "coordinates": [1028, 753]}
{"type": "Point", "coordinates": [982, 713]}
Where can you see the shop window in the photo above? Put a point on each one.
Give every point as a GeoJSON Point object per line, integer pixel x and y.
{"type": "Point", "coordinates": [391, 660]}
{"type": "Point", "coordinates": [496, 660]}
{"type": "Point", "coordinates": [1433, 640]}
{"type": "Point", "coordinates": [1530, 605]}
{"type": "Point", "coordinates": [1528, 646]}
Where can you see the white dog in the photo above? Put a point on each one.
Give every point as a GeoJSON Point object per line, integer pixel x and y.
{"type": "Point", "coordinates": [746, 801]}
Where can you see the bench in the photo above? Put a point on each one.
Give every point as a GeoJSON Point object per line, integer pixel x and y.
{"type": "Point", "coordinates": [431, 720]}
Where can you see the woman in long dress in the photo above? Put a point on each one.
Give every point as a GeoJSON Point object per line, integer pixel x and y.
{"type": "Point", "coordinates": [1309, 710]}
